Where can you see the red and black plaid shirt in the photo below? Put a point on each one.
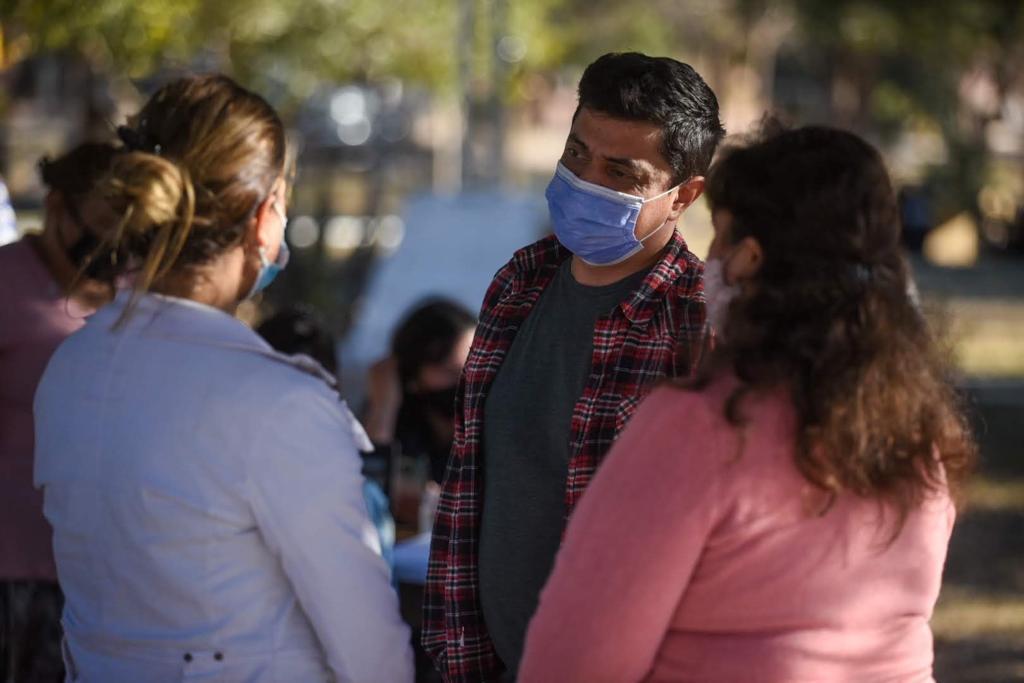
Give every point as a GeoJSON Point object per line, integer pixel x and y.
{"type": "Point", "coordinates": [657, 332]}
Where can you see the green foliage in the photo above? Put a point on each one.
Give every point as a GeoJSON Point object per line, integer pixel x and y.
{"type": "Point", "coordinates": [298, 43]}
{"type": "Point", "coordinates": [921, 47]}
{"type": "Point", "coordinates": [293, 42]}
{"type": "Point", "coordinates": [126, 34]}
{"type": "Point", "coordinates": [912, 56]}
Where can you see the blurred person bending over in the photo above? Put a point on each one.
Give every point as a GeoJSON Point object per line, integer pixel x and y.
{"type": "Point", "coordinates": [410, 406]}
{"type": "Point", "coordinates": [786, 517]}
{"type": "Point", "coordinates": [573, 332]}
{"type": "Point", "coordinates": [48, 285]}
{"type": "Point", "coordinates": [205, 490]}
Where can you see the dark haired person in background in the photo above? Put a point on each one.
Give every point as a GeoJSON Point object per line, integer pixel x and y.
{"type": "Point", "coordinates": [786, 517]}
{"type": "Point", "coordinates": [47, 292]}
{"type": "Point", "coordinates": [573, 332]}
{"type": "Point", "coordinates": [411, 392]}
{"type": "Point", "coordinates": [410, 403]}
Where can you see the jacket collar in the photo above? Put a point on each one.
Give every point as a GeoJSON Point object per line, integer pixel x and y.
{"type": "Point", "coordinates": [191, 322]}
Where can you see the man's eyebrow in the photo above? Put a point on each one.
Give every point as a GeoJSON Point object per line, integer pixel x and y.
{"type": "Point", "coordinates": [574, 139]}
{"type": "Point", "coordinates": [632, 164]}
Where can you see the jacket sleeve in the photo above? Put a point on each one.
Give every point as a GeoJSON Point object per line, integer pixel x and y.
{"type": "Point", "coordinates": [694, 341]}
{"type": "Point", "coordinates": [433, 637]}
{"type": "Point", "coordinates": [305, 489]}
{"type": "Point", "coordinates": [472, 660]}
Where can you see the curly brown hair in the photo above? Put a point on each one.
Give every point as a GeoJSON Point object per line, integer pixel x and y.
{"type": "Point", "coordinates": [829, 316]}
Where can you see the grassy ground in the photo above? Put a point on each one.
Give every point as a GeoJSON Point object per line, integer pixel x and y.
{"type": "Point", "coordinates": [979, 621]}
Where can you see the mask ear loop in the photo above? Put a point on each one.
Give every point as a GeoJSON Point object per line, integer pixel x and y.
{"type": "Point", "coordinates": [659, 196]}
{"type": "Point", "coordinates": [273, 200]}
{"type": "Point", "coordinates": [652, 233]}
{"type": "Point", "coordinates": [665, 222]}
{"type": "Point", "coordinates": [282, 215]}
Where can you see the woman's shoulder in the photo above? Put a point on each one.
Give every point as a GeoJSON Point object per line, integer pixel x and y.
{"type": "Point", "coordinates": [717, 413]}
{"type": "Point", "coordinates": [706, 400]}
{"type": "Point", "coordinates": [21, 270]}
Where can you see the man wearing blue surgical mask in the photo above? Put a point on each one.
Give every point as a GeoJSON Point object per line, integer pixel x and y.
{"type": "Point", "coordinates": [573, 332]}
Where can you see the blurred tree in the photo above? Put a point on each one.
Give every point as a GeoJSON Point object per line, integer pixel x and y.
{"type": "Point", "coordinates": [293, 45]}
{"type": "Point", "coordinates": [124, 34]}
{"type": "Point", "coordinates": [289, 44]}
{"type": "Point", "coordinates": [944, 66]}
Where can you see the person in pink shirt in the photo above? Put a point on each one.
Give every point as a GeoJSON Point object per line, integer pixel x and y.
{"type": "Point", "coordinates": [796, 529]}
{"type": "Point", "coordinates": [47, 290]}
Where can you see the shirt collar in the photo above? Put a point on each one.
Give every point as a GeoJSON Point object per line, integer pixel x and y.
{"type": "Point", "coordinates": [642, 304]}
{"type": "Point", "coordinates": [537, 264]}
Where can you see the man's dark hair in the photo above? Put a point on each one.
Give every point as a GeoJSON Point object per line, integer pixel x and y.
{"type": "Point", "coordinates": [663, 91]}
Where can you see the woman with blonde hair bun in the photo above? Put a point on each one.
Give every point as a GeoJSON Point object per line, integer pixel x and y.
{"type": "Point", "coordinates": [204, 490]}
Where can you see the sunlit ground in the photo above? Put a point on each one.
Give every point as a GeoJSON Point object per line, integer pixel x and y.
{"type": "Point", "coordinates": [978, 300]}
{"type": "Point", "coordinates": [979, 620]}
{"type": "Point", "coordinates": [988, 336]}
{"type": "Point", "coordinates": [967, 612]}
{"type": "Point", "coordinates": [964, 614]}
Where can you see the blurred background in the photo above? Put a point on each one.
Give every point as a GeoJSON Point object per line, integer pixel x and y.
{"type": "Point", "coordinates": [427, 132]}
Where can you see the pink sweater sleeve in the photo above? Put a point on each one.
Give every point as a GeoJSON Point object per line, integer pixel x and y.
{"type": "Point", "coordinates": [631, 547]}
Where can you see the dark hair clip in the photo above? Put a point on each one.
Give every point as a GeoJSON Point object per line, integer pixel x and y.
{"type": "Point", "coordinates": [862, 272]}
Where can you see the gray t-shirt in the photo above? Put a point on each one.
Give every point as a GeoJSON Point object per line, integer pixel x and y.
{"type": "Point", "coordinates": [527, 420]}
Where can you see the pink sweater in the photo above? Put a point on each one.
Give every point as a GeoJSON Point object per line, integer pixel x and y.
{"type": "Point", "coordinates": [35, 317]}
{"type": "Point", "coordinates": [688, 560]}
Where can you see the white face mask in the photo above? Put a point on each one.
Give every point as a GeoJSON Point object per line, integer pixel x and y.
{"type": "Point", "coordinates": [717, 294]}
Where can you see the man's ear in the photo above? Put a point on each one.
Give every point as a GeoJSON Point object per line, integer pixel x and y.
{"type": "Point", "coordinates": [685, 195]}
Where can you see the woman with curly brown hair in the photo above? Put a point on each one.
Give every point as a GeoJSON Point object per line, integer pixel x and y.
{"type": "Point", "coordinates": [799, 532]}
{"type": "Point", "coordinates": [204, 490]}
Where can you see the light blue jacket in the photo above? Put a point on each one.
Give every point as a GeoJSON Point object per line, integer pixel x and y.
{"type": "Point", "coordinates": [206, 499]}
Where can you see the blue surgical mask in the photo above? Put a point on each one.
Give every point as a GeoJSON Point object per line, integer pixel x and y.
{"type": "Point", "coordinates": [595, 223]}
{"type": "Point", "coordinates": [269, 269]}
